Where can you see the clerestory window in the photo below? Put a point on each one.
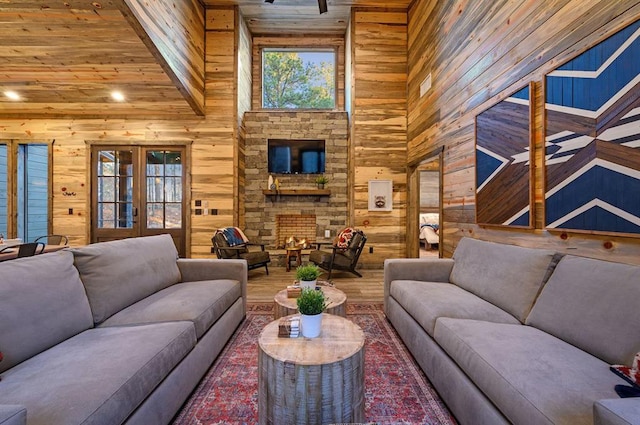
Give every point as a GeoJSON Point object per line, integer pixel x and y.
{"type": "Point", "coordinates": [298, 79]}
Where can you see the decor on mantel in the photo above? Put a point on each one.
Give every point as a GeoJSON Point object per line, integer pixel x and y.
{"type": "Point", "coordinates": [321, 181]}
{"type": "Point", "coordinates": [380, 195]}
{"type": "Point", "coordinates": [592, 157]}
{"type": "Point", "coordinates": [504, 155]}
{"type": "Point", "coordinates": [270, 184]}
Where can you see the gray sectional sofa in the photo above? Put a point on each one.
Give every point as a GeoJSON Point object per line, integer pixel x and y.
{"type": "Point", "coordinates": [508, 334]}
{"type": "Point", "coordinates": [112, 333]}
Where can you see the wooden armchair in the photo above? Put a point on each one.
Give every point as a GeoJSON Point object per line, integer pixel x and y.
{"type": "Point", "coordinates": [237, 247]}
{"type": "Point", "coordinates": [344, 254]}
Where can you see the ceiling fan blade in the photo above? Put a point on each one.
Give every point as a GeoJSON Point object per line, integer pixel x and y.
{"type": "Point", "coordinates": [322, 4]}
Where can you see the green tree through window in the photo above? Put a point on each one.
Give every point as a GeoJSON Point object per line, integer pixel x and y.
{"type": "Point", "coordinates": [296, 80]}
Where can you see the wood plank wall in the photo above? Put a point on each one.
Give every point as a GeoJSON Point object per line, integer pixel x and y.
{"type": "Point", "coordinates": [174, 33]}
{"type": "Point", "coordinates": [478, 52]}
{"type": "Point", "coordinates": [211, 140]}
{"type": "Point", "coordinates": [378, 127]}
{"type": "Point", "coordinates": [260, 42]}
{"type": "Point", "coordinates": [244, 91]}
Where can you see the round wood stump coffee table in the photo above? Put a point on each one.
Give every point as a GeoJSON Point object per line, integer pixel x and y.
{"type": "Point", "coordinates": [312, 380]}
{"type": "Point", "coordinates": [337, 303]}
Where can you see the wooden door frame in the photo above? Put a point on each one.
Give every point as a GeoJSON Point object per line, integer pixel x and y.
{"type": "Point", "coordinates": [186, 190]}
{"type": "Point", "coordinates": [413, 210]}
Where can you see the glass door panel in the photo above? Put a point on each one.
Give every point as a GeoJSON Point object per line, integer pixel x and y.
{"type": "Point", "coordinates": [115, 190]}
{"type": "Point", "coordinates": [114, 201]}
{"type": "Point", "coordinates": [164, 189]}
{"type": "Point", "coordinates": [32, 191]}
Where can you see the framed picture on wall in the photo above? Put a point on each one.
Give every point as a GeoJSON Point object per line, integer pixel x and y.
{"type": "Point", "coordinates": [504, 162]}
{"type": "Point", "coordinates": [380, 195]}
{"type": "Point", "coordinates": [592, 138]}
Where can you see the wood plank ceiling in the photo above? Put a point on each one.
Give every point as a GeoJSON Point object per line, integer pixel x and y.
{"type": "Point", "coordinates": [65, 58]}
{"type": "Point", "coordinates": [301, 16]}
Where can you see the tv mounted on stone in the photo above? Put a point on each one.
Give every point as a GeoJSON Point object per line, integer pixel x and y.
{"type": "Point", "coordinates": [296, 156]}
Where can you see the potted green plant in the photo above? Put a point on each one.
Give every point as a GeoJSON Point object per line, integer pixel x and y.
{"type": "Point", "coordinates": [321, 181]}
{"type": "Point", "coordinates": [308, 275]}
{"type": "Point", "coordinates": [311, 304]}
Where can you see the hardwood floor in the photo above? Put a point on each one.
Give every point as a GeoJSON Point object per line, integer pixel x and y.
{"type": "Point", "coordinates": [369, 287]}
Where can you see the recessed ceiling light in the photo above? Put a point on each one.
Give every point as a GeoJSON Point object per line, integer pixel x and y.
{"type": "Point", "coordinates": [116, 95]}
{"type": "Point", "coordinates": [12, 95]}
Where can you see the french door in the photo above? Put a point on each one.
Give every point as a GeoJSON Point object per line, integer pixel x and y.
{"type": "Point", "coordinates": [138, 191]}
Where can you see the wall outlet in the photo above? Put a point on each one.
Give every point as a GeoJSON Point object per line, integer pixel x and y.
{"type": "Point", "coordinates": [370, 250]}
{"type": "Point", "coordinates": [425, 85]}
{"type": "Point", "coordinates": [327, 233]}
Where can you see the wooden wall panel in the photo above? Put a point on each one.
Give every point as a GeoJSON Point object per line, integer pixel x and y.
{"type": "Point", "coordinates": [378, 127]}
{"type": "Point", "coordinates": [244, 90]}
{"type": "Point", "coordinates": [477, 53]}
{"type": "Point", "coordinates": [174, 31]}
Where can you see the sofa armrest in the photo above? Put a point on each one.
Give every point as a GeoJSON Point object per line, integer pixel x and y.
{"type": "Point", "coordinates": [617, 411]}
{"type": "Point", "coordinates": [425, 269]}
{"type": "Point", "coordinates": [13, 414]}
{"type": "Point", "coordinates": [193, 269]}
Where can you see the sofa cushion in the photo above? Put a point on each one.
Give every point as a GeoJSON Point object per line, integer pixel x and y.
{"type": "Point", "coordinates": [505, 275]}
{"type": "Point", "coordinates": [592, 304]}
{"type": "Point", "coordinates": [531, 376]}
{"type": "Point", "coordinates": [200, 302]}
{"type": "Point", "coordinates": [99, 376]}
{"type": "Point", "coordinates": [117, 274]}
{"type": "Point", "coordinates": [614, 411]}
{"type": "Point", "coordinates": [42, 302]}
{"type": "Point", "coordinates": [427, 301]}
{"type": "Point", "coordinates": [13, 415]}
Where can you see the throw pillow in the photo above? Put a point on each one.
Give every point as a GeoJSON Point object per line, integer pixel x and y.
{"type": "Point", "coordinates": [631, 375]}
{"type": "Point", "coordinates": [344, 238]}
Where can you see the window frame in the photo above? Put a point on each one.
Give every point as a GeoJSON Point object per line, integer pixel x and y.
{"type": "Point", "coordinates": [12, 183]}
{"type": "Point", "coordinates": [301, 49]}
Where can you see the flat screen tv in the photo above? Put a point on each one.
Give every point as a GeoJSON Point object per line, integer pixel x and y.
{"type": "Point", "coordinates": [296, 156]}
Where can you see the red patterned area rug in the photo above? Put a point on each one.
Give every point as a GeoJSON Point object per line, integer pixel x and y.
{"type": "Point", "coordinates": [396, 390]}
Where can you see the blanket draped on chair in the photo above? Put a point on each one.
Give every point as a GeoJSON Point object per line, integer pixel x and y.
{"type": "Point", "coordinates": [233, 235]}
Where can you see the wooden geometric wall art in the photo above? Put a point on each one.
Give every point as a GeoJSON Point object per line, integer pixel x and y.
{"type": "Point", "coordinates": [592, 145]}
{"type": "Point", "coordinates": [503, 162]}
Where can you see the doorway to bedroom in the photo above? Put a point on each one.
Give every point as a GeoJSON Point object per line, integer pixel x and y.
{"type": "Point", "coordinates": [429, 216]}
{"type": "Point", "coordinates": [424, 224]}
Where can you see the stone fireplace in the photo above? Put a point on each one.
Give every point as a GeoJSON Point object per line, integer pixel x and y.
{"type": "Point", "coordinates": [264, 211]}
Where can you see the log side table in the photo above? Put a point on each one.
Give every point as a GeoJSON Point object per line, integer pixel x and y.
{"type": "Point", "coordinates": [293, 253]}
{"type": "Point", "coordinates": [337, 303]}
{"type": "Point", "coordinates": [312, 380]}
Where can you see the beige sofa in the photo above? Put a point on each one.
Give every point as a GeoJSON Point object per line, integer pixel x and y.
{"type": "Point", "coordinates": [515, 335]}
{"type": "Point", "coordinates": [111, 333]}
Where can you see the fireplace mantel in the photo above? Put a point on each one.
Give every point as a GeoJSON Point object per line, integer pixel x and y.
{"type": "Point", "coordinates": [298, 192]}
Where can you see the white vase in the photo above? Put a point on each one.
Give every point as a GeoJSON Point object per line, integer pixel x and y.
{"type": "Point", "coordinates": [308, 283]}
{"type": "Point", "coordinates": [311, 325]}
